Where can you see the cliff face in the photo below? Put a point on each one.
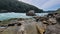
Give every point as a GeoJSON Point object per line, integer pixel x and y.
{"type": "Point", "coordinates": [17, 6]}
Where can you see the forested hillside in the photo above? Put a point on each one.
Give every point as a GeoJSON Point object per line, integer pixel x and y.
{"type": "Point", "coordinates": [17, 6]}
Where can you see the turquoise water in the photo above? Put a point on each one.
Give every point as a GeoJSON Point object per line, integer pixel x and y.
{"type": "Point", "coordinates": [4, 16]}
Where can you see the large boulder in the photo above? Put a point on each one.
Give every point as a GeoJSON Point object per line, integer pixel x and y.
{"type": "Point", "coordinates": [31, 13]}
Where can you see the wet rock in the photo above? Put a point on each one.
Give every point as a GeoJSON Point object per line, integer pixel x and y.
{"type": "Point", "coordinates": [50, 15]}
{"type": "Point", "coordinates": [11, 24]}
{"type": "Point", "coordinates": [19, 24]}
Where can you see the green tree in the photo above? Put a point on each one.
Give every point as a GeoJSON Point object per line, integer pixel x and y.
{"type": "Point", "coordinates": [17, 6]}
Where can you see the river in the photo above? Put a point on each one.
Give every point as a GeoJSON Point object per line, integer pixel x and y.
{"type": "Point", "coordinates": [4, 16]}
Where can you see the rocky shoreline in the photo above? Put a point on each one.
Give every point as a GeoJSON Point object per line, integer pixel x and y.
{"type": "Point", "coordinates": [38, 25]}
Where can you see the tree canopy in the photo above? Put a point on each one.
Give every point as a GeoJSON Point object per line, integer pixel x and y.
{"type": "Point", "coordinates": [17, 6]}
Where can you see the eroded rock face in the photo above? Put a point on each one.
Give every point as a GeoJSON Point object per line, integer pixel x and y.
{"type": "Point", "coordinates": [53, 29]}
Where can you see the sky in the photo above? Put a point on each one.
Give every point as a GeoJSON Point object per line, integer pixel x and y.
{"type": "Point", "coordinates": [44, 4]}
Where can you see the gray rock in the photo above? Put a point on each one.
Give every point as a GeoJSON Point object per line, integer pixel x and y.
{"type": "Point", "coordinates": [31, 13]}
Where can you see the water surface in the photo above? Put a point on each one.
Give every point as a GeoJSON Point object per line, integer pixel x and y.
{"type": "Point", "coordinates": [4, 16]}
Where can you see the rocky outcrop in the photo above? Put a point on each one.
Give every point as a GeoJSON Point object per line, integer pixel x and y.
{"type": "Point", "coordinates": [27, 27]}
{"type": "Point", "coordinates": [53, 29]}
{"type": "Point", "coordinates": [48, 25]}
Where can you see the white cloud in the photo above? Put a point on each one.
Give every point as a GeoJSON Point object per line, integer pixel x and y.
{"type": "Point", "coordinates": [36, 3]}
{"type": "Point", "coordinates": [50, 3]}
{"type": "Point", "coordinates": [43, 4]}
{"type": "Point", "coordinates": [26, 1]}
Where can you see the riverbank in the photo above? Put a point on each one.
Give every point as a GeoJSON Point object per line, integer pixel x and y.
{"type": "Point", "coordinates": [34, 25]}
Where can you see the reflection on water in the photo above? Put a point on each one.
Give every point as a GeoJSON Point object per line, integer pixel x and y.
{"type": "Point", "coordinates": [4, 16]}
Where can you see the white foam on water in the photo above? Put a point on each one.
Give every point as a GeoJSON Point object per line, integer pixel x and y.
{"type": "Point", "coordinates": [4, 16]}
